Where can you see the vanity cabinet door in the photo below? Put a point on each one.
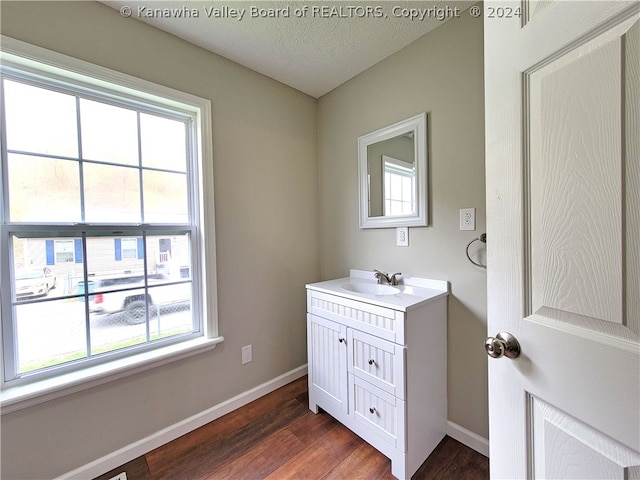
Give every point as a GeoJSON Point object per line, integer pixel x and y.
{"type": "Point", "coordinates": [327, 350]}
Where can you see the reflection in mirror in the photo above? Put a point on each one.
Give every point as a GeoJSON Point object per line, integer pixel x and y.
{"type": "Point", "coordinates": [393, 175]}
{"type": "Point", "coordinates": [391, 170]}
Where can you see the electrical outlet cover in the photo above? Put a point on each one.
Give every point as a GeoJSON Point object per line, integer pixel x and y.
{"type": "Point", "coordinates": [402, 236]}
{"type": "Point", "coordinates": [467, 219]}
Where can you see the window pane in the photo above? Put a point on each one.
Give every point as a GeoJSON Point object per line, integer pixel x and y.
{"type": "Point", "coordinates": [50, 333]}
{"type": "Point", "coordinates": [112, 194]}
{"type": "Point", "coordinates": [118, 282]}
{"type": "Point", "coordinates": [165, 197]}
{"type": "Point", "coordinates": [163, 143]}
{"type": "Point", "coordinates": [43, 189]}
{"type": "Point", "coordinates": [171, 310]}
{"type": "Point", "coordinates": [109, 133]}
{"type": "Point", "coordinates": [170, 283]}
{"type": "Point", "coordinates": [39, 120]}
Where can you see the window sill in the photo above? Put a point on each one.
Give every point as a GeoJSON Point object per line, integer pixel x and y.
{"type": "Point", "coordinates": [23, 396]}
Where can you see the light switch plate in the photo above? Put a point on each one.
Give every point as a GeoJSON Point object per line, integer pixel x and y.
{"type": "Point", "coordinates": [402, 236]}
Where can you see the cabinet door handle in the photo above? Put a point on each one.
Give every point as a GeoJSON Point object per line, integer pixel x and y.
{"type": "Point", "coordinates": [372, 410]}
{"type": "Point", "coordinates": [372, 361]}
{"type": "Point", "coordinates": [342, 340]}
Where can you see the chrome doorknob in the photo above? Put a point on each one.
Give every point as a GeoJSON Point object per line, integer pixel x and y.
{"type": "Point", "coordinates": [503, 344]}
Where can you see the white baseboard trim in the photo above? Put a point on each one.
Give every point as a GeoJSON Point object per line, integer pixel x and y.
{"type": "Point", "coordinates": [468, 438]}
{"type": "Point", "coordinates": [132, 451]}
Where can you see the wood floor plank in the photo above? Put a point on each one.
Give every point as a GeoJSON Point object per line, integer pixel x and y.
{"type": "Point", "coordinates": [312, 426]}
{"type": "Point", "coordinates": [262, 459]}
{"type": "Point", "coordinates": [319, 458]}
{"type": "Point", "coordinates": [441, 458]}
{"type": "Point", "coordinates": [467, 465]}
{"type": "Point", "coordinates": [453, 461]}
{"type": "Point", "coordinates": [364, 463]}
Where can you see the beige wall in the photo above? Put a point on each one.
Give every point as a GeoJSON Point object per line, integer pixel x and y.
{"type": "Point", "coordinates": [442, 74]}
{"type": "Point", "coordinates": [272, 142]}
{"type": "Point", "coordinates": [265, 166]}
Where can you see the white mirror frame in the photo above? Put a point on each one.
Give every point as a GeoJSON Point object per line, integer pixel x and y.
{"type": "Point", "coordinates": [417, 125]}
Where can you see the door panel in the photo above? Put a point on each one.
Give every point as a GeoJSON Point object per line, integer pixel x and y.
{"type": "Point", "coordinates": [576, 181]}
{"type": "Point", "coordinates": [580, 452]}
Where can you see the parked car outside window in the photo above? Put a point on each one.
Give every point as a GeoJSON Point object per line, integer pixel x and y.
{"type": "Point", "coordinates": [34, 282]}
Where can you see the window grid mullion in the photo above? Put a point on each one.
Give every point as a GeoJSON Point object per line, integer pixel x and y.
{"type": "Point", "coordinates": [80, 156]}
{"type": "Point", "coordinates": [140, 167]}
{"type": "Point", "coordinates": [146, 287]}
{"type": "Point", "coordinates": [4, 213]}
{"type": "Point", "coordinates": [85, 275]}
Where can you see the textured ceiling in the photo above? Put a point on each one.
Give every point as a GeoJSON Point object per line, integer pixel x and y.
{"type": "Point", "coordinates": [313, 46]}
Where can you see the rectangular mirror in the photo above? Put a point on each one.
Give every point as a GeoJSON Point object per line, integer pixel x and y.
{"type": "Point", "coordinates": [392, 175]}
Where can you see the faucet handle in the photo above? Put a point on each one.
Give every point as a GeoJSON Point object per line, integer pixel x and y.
{"type": "Point", "coordinates": [394, 280]}
{"type": "Point", "coordinates": [380, 276]}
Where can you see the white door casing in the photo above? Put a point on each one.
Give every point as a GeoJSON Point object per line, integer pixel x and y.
{"type": "Point", "coordinates": [562, 111]}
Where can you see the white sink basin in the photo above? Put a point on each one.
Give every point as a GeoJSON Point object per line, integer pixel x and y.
{"type": "Point", "coordinates": [371, 288]}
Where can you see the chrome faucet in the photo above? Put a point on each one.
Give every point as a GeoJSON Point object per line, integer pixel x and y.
{"type": "Point", "coordinates": [385, 278]}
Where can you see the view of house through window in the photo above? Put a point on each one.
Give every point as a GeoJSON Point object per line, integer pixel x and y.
{"type": "Point", "coordinates": [99, 222]}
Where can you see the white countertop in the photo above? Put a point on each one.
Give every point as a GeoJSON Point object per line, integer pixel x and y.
{"type": "Point", "coordinates": [414, 291]}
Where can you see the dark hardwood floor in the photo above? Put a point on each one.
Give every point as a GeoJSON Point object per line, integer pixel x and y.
{"type": "Point", "coordinates": [277, 437]}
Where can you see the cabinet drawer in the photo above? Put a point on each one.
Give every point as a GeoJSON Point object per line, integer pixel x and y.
{"type": "Point", "coordinates": [377, 411]}
{"type": "Point", "coordinates": [377, 361]}
{"type": "Point", "coordinates": [379, 321]}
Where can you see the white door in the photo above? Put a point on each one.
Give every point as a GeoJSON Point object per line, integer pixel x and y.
{"type": "Point", "coordinates": [562, 85]}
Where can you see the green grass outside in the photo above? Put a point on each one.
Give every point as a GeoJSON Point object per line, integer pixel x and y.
{"type": "Point", "coordinates": [70, 357]}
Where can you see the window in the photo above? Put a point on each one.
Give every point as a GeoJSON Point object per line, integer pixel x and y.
{"type": "Point", "coordinates": [64, 250]}
{"type": "Point", "coordinates": [399, 187]}
{"type": "Point", "coordinates": [102, 217]}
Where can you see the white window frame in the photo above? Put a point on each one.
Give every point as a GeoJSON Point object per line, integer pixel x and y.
{"type": "Point", "coordinates": [25, 392]}
{"type": "Point", "coordinates": [133, 250]}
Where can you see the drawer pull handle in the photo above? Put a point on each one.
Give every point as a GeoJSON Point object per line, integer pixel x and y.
{"type": "Point", "coordinates": [372, 410]}
{"type": "Point", "coordinates": [372, 361]}
{"type": "Point", "coordinates": [342, 340]}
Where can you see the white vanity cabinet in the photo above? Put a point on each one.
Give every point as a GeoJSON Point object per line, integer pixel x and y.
{"type": "Point", "coordinates": [377, 363]}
